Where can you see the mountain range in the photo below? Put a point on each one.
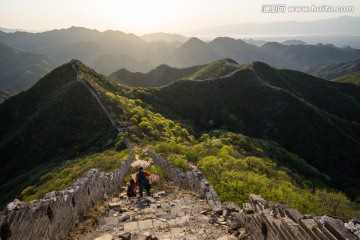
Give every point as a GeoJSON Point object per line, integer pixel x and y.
{"type": "Point", "coordinates": [316, 119]}
{"type": "Point", "coordinates": [164, 74]}
{"type": "Point", "coordinates": [110, 51]}
{"type": "Point", "coordinates": [168, 37]}
{"type": "Point", "coordinates": [20, 70]}
{"type": "Point", "coordinates": [334, 70]}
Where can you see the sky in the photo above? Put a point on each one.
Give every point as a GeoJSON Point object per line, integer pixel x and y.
{"type": "Point", "coordinates": [147, 16]}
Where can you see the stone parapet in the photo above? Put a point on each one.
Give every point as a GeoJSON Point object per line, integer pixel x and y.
{"type": "Point", "coordinates": [191, 180]}
{"type": "Point", "coordinates": [52, 216]}
{"type": "Point", "coordinates": [267, 220]}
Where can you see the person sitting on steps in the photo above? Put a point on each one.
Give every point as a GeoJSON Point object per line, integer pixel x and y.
{"type": "Point", "coordinates": [131, 189]}
{"type": "Point", "coordinates": [142, 182]}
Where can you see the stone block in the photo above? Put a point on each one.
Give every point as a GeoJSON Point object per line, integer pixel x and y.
{"type": "Point", "coordinates": [256, 198]}
{"type": "Point", "coordinates": [159, 224]}
{"type": "Point", "coordinates": [337, 228]}
{"type": "Point", "coordinates": [114, 205]}
{"type": "Point", "coordinates": [175, 231]}
{"type": "Point", "coordinates": [146, 224]}
{"type": "Point", "coordinates": [291, 226]}
{"type": "Point", "coordinates": [111, 221]}
{"type": "Point", "coordinates": [105, 237]}
{"type": "Point", "coordinates": [131, 226]}
{"type": "Point", "coordinates": [326, 232]}
{"type": "Point", "coordinates": [293, 214]}
{"type": "Point", "coordinates": [247, 208]}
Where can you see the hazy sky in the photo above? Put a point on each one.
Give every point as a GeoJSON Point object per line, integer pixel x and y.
{"type": "Point", "coordinates": [145, 16]}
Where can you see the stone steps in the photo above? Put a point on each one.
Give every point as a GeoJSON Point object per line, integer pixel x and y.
{"type": "Point", "coordinates": [175, 214]}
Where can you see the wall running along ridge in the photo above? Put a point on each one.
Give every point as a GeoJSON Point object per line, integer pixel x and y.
{"type": "Point", "coordinates": [52, 216]}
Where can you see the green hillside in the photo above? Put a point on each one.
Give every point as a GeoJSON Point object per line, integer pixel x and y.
{"type": "Point", "coordinates": [157, 77]}
{"type": "Point", "coordinates": [215, 70]}
{"type": "Point", "coordinates": [163, 74]}
{"type": "Point", "coordinates": [263, 102]}
{"type": "Point", "coordinates": [223, 126]}
{"type": "Point", "coordinates": [296, 110]}
{"type": "Point", "coordinates": [55, 120]}
{"type": "Point", "coordinates": [353, 78]}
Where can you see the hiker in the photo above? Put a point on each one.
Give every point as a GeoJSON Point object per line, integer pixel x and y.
{"type": "Point", "coordinates": [131, 189]}
{"type": "Point", "coordinates": [142, 182]}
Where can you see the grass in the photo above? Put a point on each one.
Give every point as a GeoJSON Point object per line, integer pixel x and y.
{"type": "Point", "coordinates": [65, 175]}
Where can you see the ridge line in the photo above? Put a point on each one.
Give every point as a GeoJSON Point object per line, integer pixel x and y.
{"type": "Point", "coordinates": [93, 93]}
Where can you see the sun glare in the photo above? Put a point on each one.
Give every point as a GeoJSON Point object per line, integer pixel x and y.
{"type": "Point", "coordinates": [143, 16]}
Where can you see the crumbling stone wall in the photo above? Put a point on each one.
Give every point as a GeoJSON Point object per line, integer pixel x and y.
{"type": "Point", "coordinates": [271, 221]}
{"type": "Point", "coordinates": [262, 219]}
{"type": "Point", "coordinates": [52, 216]}
{"type": "Point", "coordinates": [191, 180]}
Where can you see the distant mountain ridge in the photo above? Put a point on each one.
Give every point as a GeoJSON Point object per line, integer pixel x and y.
{"type": "Point", "coordinates": [89, 45]}
{"type": "Point", "coordinates": [294, 42]}
{"type": "Point", "coordinates": [157, 77]}
{"type": "Point", "coordinates": [163, 74]}
{"type": "Point", "coordinates": [334, 70]}
{"type": "Point", "coordinates": [76, 42]}
{"type": "Point", "coordinates": [21, 70]}
{"type": "Point", "coordinates": [168, 37]}
{"type": "Point", "coordinates": [110, 51]}
{"type": "Point", "coordinates": [8, 30]}
{"type": "Point", "coordinates": [5, 95]}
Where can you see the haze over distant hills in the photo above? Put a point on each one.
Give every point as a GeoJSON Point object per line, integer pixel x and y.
{"type": "Point", "coordinates": [20, 70]}
{"type": "Point", "coordinates": [294, 42]}
{"type": "Point", "coordinates": [334, 70]}
{"type": "Point", "coordinates": [345, 25]}
{"type": "Point", "coordinates": [341, 31]}
{"type": "Point", "coordinates": [7, 30]}
{"type": "Point", "coordinates": [110, 51]}
{"type": "Point", "coordinates": [168, 37]}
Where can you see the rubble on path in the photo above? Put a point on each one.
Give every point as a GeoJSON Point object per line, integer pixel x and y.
{"type": "Point", "coordinates": [175, 214]}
